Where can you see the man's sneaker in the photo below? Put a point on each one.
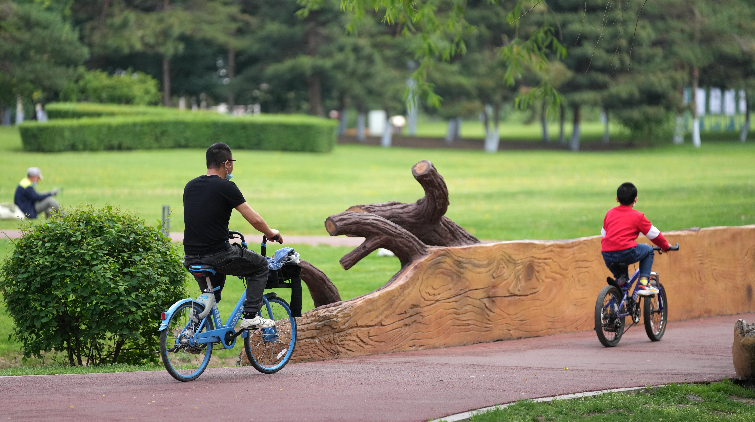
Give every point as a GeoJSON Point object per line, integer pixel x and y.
{"type": "Point", "coordinates": [256, 322]}
{"type": "Point", "coordinates": [646, 290]}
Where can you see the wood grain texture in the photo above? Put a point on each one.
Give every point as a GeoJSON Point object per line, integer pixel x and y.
{"type": "Point", "coordinates": [501, 291]}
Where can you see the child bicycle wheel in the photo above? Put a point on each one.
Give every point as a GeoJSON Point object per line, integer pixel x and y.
{"type": "Point", "coordinates": [270, 349]}
{"type": "Point", "coordinates": [608, 325]}
{"type": "Point", "coordinates": [183, 361]}
{"type": "Point", "coordinates": [655, 309]}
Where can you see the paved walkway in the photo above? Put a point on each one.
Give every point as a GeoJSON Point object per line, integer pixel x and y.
{"type": "Point", "coordinates": [408, 386]}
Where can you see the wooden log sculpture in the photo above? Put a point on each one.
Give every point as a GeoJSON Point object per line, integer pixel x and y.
{"type": "Point", "coordinates": [323, 291]}
{"type": "Point", "coordinates": [405, 229]}
{"type": "Point", "coordinates": [425, 218]}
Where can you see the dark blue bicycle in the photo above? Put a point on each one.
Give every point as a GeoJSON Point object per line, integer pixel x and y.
{"type": "Point", "coordinates": [615, 302]}
{"type": "Point", "coordinates": [186, 345]}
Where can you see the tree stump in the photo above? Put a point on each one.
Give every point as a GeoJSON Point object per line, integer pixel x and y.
{"type": "Point", "coordinates": [743, 350]}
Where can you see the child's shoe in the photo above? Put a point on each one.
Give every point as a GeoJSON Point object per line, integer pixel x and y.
{"type": "Point", "coordinates": [645, 289]}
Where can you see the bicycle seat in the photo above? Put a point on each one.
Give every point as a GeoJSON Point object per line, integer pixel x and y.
{"type": "Point", "coordinates": [202, 270]}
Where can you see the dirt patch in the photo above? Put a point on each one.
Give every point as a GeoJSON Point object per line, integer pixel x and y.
{"type": "Point", "coordinates": [745, 400]}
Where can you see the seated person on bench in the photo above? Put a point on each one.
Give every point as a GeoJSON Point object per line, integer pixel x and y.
{"type": "Point", "coordinates": [208, 202]}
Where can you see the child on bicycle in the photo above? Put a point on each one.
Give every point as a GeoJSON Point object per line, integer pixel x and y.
{"type": "Point", "coordinates": [621, 227]}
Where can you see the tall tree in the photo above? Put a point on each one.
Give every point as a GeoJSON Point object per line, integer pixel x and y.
{"type": "Point", "coordinates": [39, 51]}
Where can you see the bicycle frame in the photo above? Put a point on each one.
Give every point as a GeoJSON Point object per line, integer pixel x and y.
{"type": "Point", "coordinates": [625, 289]}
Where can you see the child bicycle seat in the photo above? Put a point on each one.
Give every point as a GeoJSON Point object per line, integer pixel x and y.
{"type": "Point", "coordinates": [618, 268]}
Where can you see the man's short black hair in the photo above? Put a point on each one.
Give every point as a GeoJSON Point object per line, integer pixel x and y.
{"type": "Point", "coordinates": [626, 193]}
{"type": "Point", "coordinates": [217, 154]}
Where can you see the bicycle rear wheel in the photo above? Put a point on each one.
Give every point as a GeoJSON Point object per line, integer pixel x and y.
{"type": "Point", "coordinates": [655, 309]}
{"type": "Point", "coordinates": [270, 349]}
{"type": "Point", "coordinates": [183, 361]}
{"type": "Point", "coordinates": [608, 326]}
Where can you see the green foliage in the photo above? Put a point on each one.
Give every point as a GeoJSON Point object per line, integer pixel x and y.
{"type": "Point", "coordinates": [92, 283]}
{"type": "Point", "coordinates": [180, 130]}
{"type": "Point", "coordinates": [127, 88]}
{"type": "Point", "coordinates": [38, 51]}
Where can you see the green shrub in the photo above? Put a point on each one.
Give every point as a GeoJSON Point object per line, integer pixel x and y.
{"type": "Point", "coordinates": [91, 283]}
{"type": "Point", "coordinates": [181, 130]}
{"type": "Point", "coordinates": [100, 87]}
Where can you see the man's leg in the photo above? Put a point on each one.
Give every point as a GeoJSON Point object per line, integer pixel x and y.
{"type": "Point", "coordinates": [47, 205]}
{"type": "Point", "coordinates": [253, 267]}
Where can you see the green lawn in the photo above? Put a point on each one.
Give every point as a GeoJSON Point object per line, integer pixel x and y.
{"type": "Point", "coordinates": [503, 196]}
{"type": "Point", "coordinates": [720, 401]}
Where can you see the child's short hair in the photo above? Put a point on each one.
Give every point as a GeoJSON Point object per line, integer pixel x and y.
{"type": "Point", "coordinates": [626, 193]}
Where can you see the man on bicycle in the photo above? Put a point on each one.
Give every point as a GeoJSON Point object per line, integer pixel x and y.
{"type": "Point", "coordinates": [208, 202]}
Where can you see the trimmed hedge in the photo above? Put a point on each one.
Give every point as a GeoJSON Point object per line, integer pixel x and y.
{"type": "Point", "coordinates": [180, 130]}
{"type": "Point", "coordinates": [79, 110]}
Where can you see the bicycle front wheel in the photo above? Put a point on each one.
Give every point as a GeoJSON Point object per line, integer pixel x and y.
{"type": "Point", "coordinates": [185, 362]}
{"type": "Point", "coordinates": [270, 349]}
{"type": "Point", "coordinates": [655, 309]}
{"type": "Point", "coordinates": [608, 325]}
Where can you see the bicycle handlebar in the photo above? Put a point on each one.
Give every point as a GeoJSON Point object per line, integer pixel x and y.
{"type": "Point", "coordinates": [673, 248]}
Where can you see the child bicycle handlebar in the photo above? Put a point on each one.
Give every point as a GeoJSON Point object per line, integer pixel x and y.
{"type": "Point", "coordinates": [660, 251]}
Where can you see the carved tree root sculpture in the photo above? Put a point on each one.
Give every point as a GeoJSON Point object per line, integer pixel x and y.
{"type": "Point", "coordinates": [425, 218]}
{"type": "Point", "coordinates": [404, 229]}
{"type": "Point", "coordinates": [378, 233]}
{"type": "Point", "coordinates": [320, 287]}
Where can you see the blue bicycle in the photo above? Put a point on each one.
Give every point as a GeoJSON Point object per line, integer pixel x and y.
{"type": "Point", "coordinates": [186, 344]}
{"type": "Point", "coordinates": [615, 302]}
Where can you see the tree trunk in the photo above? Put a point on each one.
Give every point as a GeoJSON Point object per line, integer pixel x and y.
{"type": "Point", "coordinates": [322, 290]}
{"type": "Point", "coordinates": [492, 140]}
{"type": "Point", "coordinates": [342, 120]}
{"type": "Point", "coordinates": [485, 124]}
{"type": "Point", "coordinates": [361, 126]}
{"type": "Point", "coordinates": [544, 121]}
{"type": "Point", "coordinates": [561, 123]}
{"type": "Point", "coordinates": [695, 117]}
{"type": "Point", "coordinates": [451, 130]}
{"type": "Point", "coordinates": [316, 107]}
{"type": "Point", "coordinates": [679, 130]}
{"type": "Point", "coordinates": [424, 218]}
{"type": "Point", "coordinates": [387, 138]}
{"type": "Point", "coordinates": [606, 131]}
{"type": "Point", "coordinates": [746, 126]}
{"type": "Point", "coordinates": [231, 74]}
{"type": "Point", "coordinates": [166, 81]}
{"type": "Point", "coordinates": [117, 352]}
{"type": "Point", "coordinates": [166, 68]}
{"type": "Point", "coordinates": [19, 110]}
{"type": "Point", "coordinates": [575, 136]}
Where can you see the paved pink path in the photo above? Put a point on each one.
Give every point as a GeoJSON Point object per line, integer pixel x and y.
{"type": "Point", "coordinates": [409, 386]}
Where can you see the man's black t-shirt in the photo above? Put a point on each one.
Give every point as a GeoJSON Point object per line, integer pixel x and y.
{"type": "Point", "coordinates": [208, 203]}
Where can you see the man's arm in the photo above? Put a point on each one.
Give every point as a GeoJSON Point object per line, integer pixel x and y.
{"type": "Point", "coordinates": [258, 222]}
